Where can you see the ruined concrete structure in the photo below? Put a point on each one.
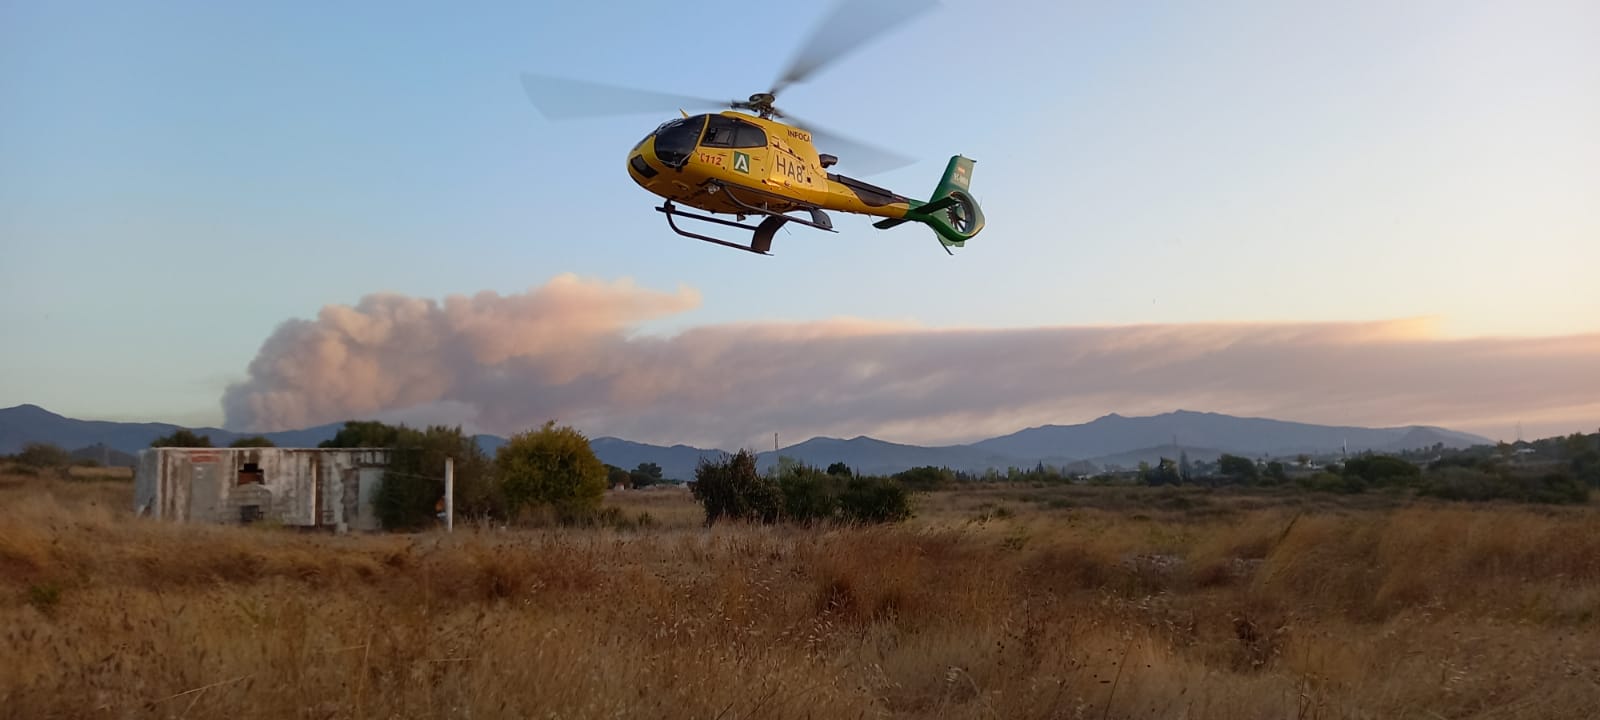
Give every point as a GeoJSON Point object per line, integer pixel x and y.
{"type": "Point", "coordinates": [328, 488]}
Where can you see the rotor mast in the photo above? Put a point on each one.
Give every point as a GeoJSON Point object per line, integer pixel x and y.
{"type": "Point", "coordinates": [761, 103]}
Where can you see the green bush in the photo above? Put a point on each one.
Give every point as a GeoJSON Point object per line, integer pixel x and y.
{"type": "Point", "coordinates": [253, 441]}
{"type": "Point", "coordinates": [926, 478]}
{"type": "Point", "coordinates": [413, 486]}
{"type": "Point", "coordinates": [730, 487]}
{"type": "Point", "coordinates": [874, 500]}
{"type": "Point", "coordinates": [182, 437]}
{"type": "Point", "coordinates": [1380, 470]}
{"type": "Point", "coordinates": [1553, 487]}
{"type": "Point", "coordinates": [810, 496]}
{"type": "Point", "coordinates": [552, 467]}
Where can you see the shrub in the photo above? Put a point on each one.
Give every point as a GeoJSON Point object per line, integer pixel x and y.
{"type": "Point", "coordinates": [1555, 487]}
{"type": "Point", "coordinates": [551, 467]}
{"type": "Point", "coordinates": [926, 478]}
{"type": "Point", "coordinates": [809, 495]}
{"type": "Point", "coordinates": [730, 487]}
{"type": "Point", "coordinates": [1382, 470]}
{"type": "Point", "coordinates": [182, 437]}
{"type": "Point", "coordinates": [411, 490]}
{"type": "Point", "coordinates": [1237, 468]}
{"type": "Point", "coordinates": [38, 455]}
{"type": "Point", "coordinates": [874, 500]}
{"type": "Point", "coordinates": [253, 441]}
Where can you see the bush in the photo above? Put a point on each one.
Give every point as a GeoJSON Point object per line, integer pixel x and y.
{"type": "Point", "coordinates": [551, 467]}
{"type": "Point", "coordinates": [413, 487]}
{"type": "Point", "coordinates": [874, 500]}
{"type": "Point", "coordinates": [253, 441]}
{"type": "Point", "coordinates": [810, 496]}
{"type": "Point", "coordinates": [730, 487]}
{"type": "Point", "coordinates": [926, 478]}
{"type": "Point", "coordinates": [1237, 468]}
{"type": "Point", "coordinates": [38, 455]}
{"type": "Point", "coordinates": [1382, 470]}
{"type": "Point", "coordinates": [182, 437]}
{"type": "Point", "coordinates": [1554, 487]}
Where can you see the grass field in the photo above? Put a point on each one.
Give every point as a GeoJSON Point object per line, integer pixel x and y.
{"type": "Point", "coordinates": [1082, 602]}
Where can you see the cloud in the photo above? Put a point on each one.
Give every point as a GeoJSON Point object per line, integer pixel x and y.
{"type": "Point", "coordinates": [566, 351]}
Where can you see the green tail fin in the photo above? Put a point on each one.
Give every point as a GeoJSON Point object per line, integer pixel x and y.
{"type": "Point", "coordinates": [952, 212]}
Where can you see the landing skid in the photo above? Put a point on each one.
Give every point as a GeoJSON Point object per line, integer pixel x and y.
{"type": "Point", "coordinates": [760, 243]}
{"type": "Point", "coordinates": [761, 240]}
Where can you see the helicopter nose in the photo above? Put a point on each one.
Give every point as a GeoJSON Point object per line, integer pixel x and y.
{"type": "Point", "coordinates": [641, 167]}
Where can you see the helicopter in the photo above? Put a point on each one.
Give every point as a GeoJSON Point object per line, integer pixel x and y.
{"type": "Point", "coordinates": [752, 159]}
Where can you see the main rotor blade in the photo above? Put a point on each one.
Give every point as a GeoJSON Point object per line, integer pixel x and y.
{"type": "Point", "coordinates": [854, 155]}
{"type": "Point", "coordinates": [560, 98]}
{"type": "Point", "coordinates": [850, 26]}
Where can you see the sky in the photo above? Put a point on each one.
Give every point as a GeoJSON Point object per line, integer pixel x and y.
{"type": "Point", "coordinates": [185, 184]}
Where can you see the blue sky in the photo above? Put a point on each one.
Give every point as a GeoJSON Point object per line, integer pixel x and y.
{"type": "Point", "coordinates": [178, 178]}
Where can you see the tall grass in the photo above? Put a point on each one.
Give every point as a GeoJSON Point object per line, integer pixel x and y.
{"type": "Point", "coordinates": [1277, 612]}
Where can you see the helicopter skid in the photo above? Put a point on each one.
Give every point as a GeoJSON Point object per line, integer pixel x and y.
{"type": "Point", "coordinates": [761, 240]}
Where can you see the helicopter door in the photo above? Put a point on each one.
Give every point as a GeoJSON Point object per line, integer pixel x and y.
{"type": "Point", "coordinates": [742, 145]}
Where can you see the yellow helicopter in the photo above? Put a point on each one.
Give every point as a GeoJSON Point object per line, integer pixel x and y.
{"type": "Point", "coordinates": [743, 162]}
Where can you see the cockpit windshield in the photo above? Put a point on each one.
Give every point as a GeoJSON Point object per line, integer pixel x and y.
{"type": "Point", "coordinates": [676, 139]}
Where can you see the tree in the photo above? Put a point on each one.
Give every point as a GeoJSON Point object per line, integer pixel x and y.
{"type": "Point", "coordinates": [182, 437]}
{"type": "Point", "coordinates": [731, 487]}
{"type": "Point", "coordinates": [259, 441]}
{"type": "Point", "coordinates": [1238, 468]}
{"type": "Point", "coordinates": [42, 455]}
{"type": "Point", "coordinates": [840, 469]}
{"type": "Point", "coordinates": [363, 434]}
{"type": "Point", "coordinates": [926, 478]}
{"type": "Point", "coordinates": [1381, 470]}
{"type": "Point", "coordinates": [810, 496]}
{"type": "Point", "coordinates": [874, 500]}
{"type": "Point", "coordinates": [647, 474]}
{"type": "Point", "coordinates": [552, 467]}
{"type": "Point", "coordinates": [1165, 473]}
{"type": "Point", "coordinates": [413, 485]}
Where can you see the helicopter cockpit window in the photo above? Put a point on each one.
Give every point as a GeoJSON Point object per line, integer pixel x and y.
{"type": "Point", "coordinates": [749, 136]}
{"type": "Point", "coordinates": [676, 139]}
{"type": "Point", "coordinates": [720, 131]}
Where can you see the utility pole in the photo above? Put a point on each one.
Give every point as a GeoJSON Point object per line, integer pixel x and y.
{"type": "Point", "coordinates": [450, 494]}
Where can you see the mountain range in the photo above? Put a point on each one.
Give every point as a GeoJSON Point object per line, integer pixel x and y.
{"type": "Point", "coordinates": [1105, 443]}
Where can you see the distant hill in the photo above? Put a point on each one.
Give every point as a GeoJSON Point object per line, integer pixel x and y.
{"type": "Point", "coordinates": [1109, 440]}
{"type": "Point", "coordinates": [23, 424]}
{"type": "Point", "coordinates": [1252, 437]}
{"type": "Point", "coordinates": [871, 456]}
{"type": "Point", "coordinates": [1130, 459]}
{"type": "Point", "coordinates": [104, 456]}
{"type": "Point", "coordinates": [677, 461]}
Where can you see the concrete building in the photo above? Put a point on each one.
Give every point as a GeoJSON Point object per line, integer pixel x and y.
{"type": "Point", "coordinates": [329, 488]}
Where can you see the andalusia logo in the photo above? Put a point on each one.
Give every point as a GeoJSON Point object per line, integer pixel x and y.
{"type": "Point", "coordinates": [741, 162]}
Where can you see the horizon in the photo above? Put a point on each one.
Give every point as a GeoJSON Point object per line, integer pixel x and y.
{"type": "Point", "coordinates": [257, 217]}
{"type": "Point", "coordinates": [1525, 437]}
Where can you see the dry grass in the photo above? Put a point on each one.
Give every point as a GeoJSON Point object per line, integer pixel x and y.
{"type": "Point", "coordinates": [1112, 609]}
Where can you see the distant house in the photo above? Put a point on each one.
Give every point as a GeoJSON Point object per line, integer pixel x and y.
{"type": "Point", "coordinates": [320, 488]}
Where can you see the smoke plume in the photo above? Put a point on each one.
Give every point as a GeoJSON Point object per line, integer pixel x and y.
{"type": "Point", "coordinates": [564, 351]}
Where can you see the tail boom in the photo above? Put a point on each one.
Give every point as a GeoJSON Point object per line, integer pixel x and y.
{"type": "Point", "coordinates": [952, 212]}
